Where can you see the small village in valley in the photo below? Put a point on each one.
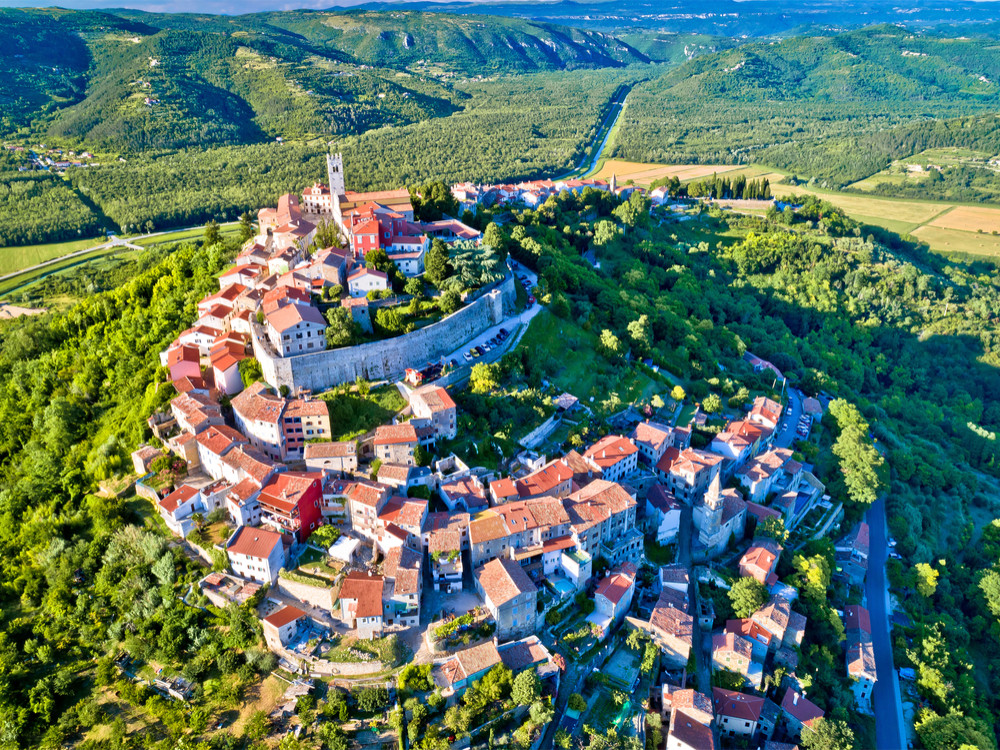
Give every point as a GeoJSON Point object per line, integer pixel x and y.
{"type": "Point", "coordinates": [631, 584]}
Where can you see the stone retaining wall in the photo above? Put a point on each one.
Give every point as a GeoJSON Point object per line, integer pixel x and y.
{"type": "Point", "coordinates": [388, 358]}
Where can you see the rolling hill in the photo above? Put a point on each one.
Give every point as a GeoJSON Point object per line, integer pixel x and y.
{"type": "Point", "coordinates": [134, 81]}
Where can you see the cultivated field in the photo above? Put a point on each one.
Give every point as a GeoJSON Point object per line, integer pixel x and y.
{"type": "Point", "coordinates": [15, 258]}
{"type": "Point", "coordinates": [969, 219]}
{"type": "Point", "coordinates": [957, 241]}
{"type": "Point", "coordinates": [644, 174]}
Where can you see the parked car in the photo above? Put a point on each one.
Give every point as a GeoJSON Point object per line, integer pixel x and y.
{"type": "Point", "coordinates": [467, 356]}
{"type": "Point", "coordinates": [503, 331]}
{"type": "Point", "coordinates": [479, 350]}
{"type": "Point", "coordinates": [453, 363]}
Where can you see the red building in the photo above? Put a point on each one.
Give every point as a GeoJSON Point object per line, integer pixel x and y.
{"type": "Point", "coordinates": [290, 503]}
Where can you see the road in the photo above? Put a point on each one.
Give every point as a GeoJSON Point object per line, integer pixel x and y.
{"type": "Point", "coordinates": [524, 318]}
{"type": "Point", "coordinates": [890, 733]}
{"type": "Point", "coordinates": [786, 434]}
{"type": "Point", "coordinates": [607, 125]}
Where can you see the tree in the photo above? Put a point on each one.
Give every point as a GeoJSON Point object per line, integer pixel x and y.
{"type": "Point", "coordinates": [436, 267]}
{"type": "Point", "coordinates": [772, 527]}
{"type": "Point", "coordinates": [494, 238]}
{"type": "Point", "coordinates": [711, 404]}
{"type": "Point", "coordinates": [414, 287]}
{"type": "Point", "coordinates": [485, 377]}
{"type": "Point", "coordinates": [432, 201]}
{"type": "Point", "coordinates": [212, 234]}
{"type": "Point", "coordinates": [610, 345]}
{"type": "Point", "coordinates": [953, 731]}
{"type": "Point", "coordinates": [246, 227]}
{"type": "Point", "coordinates": [563, 739]}
{"type": "Point", "coordinates": [860, 463]}
{"type": "Point", "coordinates": [747, 596]}
{"type": "Point", "coordinates": [926, 579]}
{"type": "Point", "coordinates": [328, 235]}
{"type": "Point", "coordinates": [677, 393]}
{"type": "Point", "coordinates": [641, 334]}
{"type": "Point", "coordinates": [341, 329]}
{"type": "Point", "coordinates": [577, 702]}
{"type": "Point", "coordinates": [362, 386]}
{"type": "Point", "coordinates": [421, 456]}
{"type": "Point", "coordinates": [606, 232]}
{"type": "Point", "coordinates": [250, 371]}
{"type": "Point", "coordinates": [450, 301]}
{"type": "Point", "coordinates": [527, 687]}
{"type": "Point", "coordinates": [989, 585]}
{"type": "Point", "coordinates": [372, 699]}
{"type": "Point", "coordinates": [828, 734]}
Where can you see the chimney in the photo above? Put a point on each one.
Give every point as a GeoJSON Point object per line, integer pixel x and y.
{"type": "Point", "coordinates": [795, 699]}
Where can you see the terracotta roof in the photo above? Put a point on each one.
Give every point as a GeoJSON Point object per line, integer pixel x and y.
{"type": "Point", "coordinates": [547, 511]}
{"type": "Point", "coordinates": [394, 472]}
{"type": "Point", "coordinates": [858, 539]}
{"type": "Point", "coordinates": [403, 565]}
{"type": "Point", "coordinates": [245, 489]}
{"type": "Point", "coordinates": [183, 353]}
{"type": "Point", "coordinates": [662, 498]}
{"type": "Point", "coordinates": [766, 408]}
{"type": "Point", "coordinates": [737, 644]}
{"type": "Point", "coordinates": [760, 512]}
{"type": "Point", "coordinates": [407, 512]}
{"type": "Point", "coordinates": [368, 272]}
{"type": "Point", "coordinates": [675, 573]}
{"type": "Point", "coordinates": [286, 490]}
{"type": "Point", "coordinates": [653, 434]}
{"type": "Point", "coordinates": [472, 661]}
{"type": "Point", "coordinates": [284, 616]}
{"type": "Point", "coordinates": [523, 654]}
{"type": "Point", "coordinates": [502, 580]}
{"type": "Point", "coordinates": [291, 315]}
{"type": "Point", "coordinates": [255, 542]}
{"type": "Point", "coordinates": [502, 489]}
{"type": "Point", "coordinates": [690, 732]}
{"type": "Point", "coordinates": [759, 560]}
{"type": "Point", "coordinates": [798, 706]}
{"type": "Point", "coordinates": [444, 531]}
{"type": "Point", "coordinates": [861, 659]}
{"type": "Point", "coordinates": [366, 590]}
{"type": "Point", "coordinates": [395, 434]}
{"type": "Point", "coordinates": [672, 620]}
{"type": "Point", "coordinates": [749, 629]}
{"type": "Point", "coordinates": [545, 479]}
{"type": "Point", "coordinates": [218, 439]}
{"type": "Point", "coordinates": [697, 705]}
{"type": "Point", "coordinates": [257, 404]}
{"type": "Point", "coordinates": [667, 460]}
{"type": "Point", "coordinates": [250, 462]}
{"type": "Point", "coordinates": [559, 543]}
{"type": "Point", "coordinates": [597, 502]}
{"type": "Point", "coordinates": [434, 397]}
{"type": "Point", "coordinates": [304, 408]}
{"type": "Point", "coordinates": [609, 450]}
{"type": "Point", "coordinates": [614, 587]}
{"type": "Point", "coordinates": [178, 497]}
{"type": "Point", "coordinates": [486, 527]}
{"type": "Point", "coordinates": [856, 617]}
{"type": "Point", "coordinates": [694, 461]}
{"type": "Point", "coordinates": [367, 494]}
{"type": "Point", "coordinates": [343, 449]}
{"type": "Point", "coordinates": [737, 705]}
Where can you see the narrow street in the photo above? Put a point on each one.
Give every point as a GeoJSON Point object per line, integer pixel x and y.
{"type": "Point", "coordinates": [890, 732]}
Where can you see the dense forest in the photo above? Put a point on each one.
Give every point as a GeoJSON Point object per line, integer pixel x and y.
{"type": "Point", "coordinates": [825, 106]}
{"type": "Point", "coordinates": [39, 207]}
{"type": "Point", "coordinates": [545, 118]}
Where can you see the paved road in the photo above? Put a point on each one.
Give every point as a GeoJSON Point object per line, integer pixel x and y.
{"type": "Point", "coordinates": [786, 435]}
{"type": "Point", "coordinates": [890, 733]}
{"type": "Point", "coordinates": [617, 105]}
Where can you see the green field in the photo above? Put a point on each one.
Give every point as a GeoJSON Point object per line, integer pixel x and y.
{"type": "Point", "coordinates": [15, 258]}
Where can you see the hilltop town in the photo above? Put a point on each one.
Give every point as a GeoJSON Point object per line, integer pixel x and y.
{"type": "Point", "coordinates": [631, 585]}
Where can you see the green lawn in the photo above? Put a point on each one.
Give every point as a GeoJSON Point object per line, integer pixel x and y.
{"type": "Point", "coordinates": [15, 258]}
{"type": "Point", "coordinates": [352, 416]}
{"type": "Point", "coordinates": [577, 367]}
{"type": "Point", "coordinates": [659, 554]}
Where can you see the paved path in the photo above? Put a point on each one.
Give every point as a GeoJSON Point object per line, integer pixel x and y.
{"type": "Point", "coordinates": [890, 733]}
{"type": "Point", "coordinates": [786, 435]}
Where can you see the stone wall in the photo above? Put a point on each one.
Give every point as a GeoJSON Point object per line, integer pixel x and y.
{"type": "Point", "coordinates": [387, 359]}
{"type": "Point", "coordinates": [314, 596]}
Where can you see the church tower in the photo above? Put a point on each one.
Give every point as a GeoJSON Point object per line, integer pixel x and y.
{"type": "Point", "coordinates": [335, 174]}
{"type": "Point", "coordinates": [335, 180]}
{"type": "Point", "coordinates": [614, 183]}
{"type": "Point", "coordinates": [708, 515]}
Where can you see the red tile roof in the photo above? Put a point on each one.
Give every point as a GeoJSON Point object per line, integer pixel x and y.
{"type": "Point", "coordinates": [502, 580]}
{"type": "Point", "coordinates": [609, 450]}
{"type": "Point", "coordinates": [290, 315]}
{"type": "Point", "coordinates": [284, 616]}
{"type": "Point", "coordinates": [856, 617]}
{"type": "Point", "coordinates": [255, 542]}
{"type": "Point", "coordinates": [178, 497]}
{"type": "Point", "coordinates": [798, 706]}
{"type": "Point", "coordinates": [366, 590]}
{"type": "Point", "coordinates": [614, 587]}
{"type": "Point", "coordinates": [285, 490]}
{"type": "Point", "coordinates": [737, 705]}
{"type": "Point", "coordinates": [395, 434]}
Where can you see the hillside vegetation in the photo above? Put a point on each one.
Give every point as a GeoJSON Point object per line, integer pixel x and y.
{"type": "Point", "coordinates": [810, 104]}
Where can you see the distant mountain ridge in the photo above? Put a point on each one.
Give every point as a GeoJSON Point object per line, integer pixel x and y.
{"type": "Point", "coordinates": [131, 80]}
